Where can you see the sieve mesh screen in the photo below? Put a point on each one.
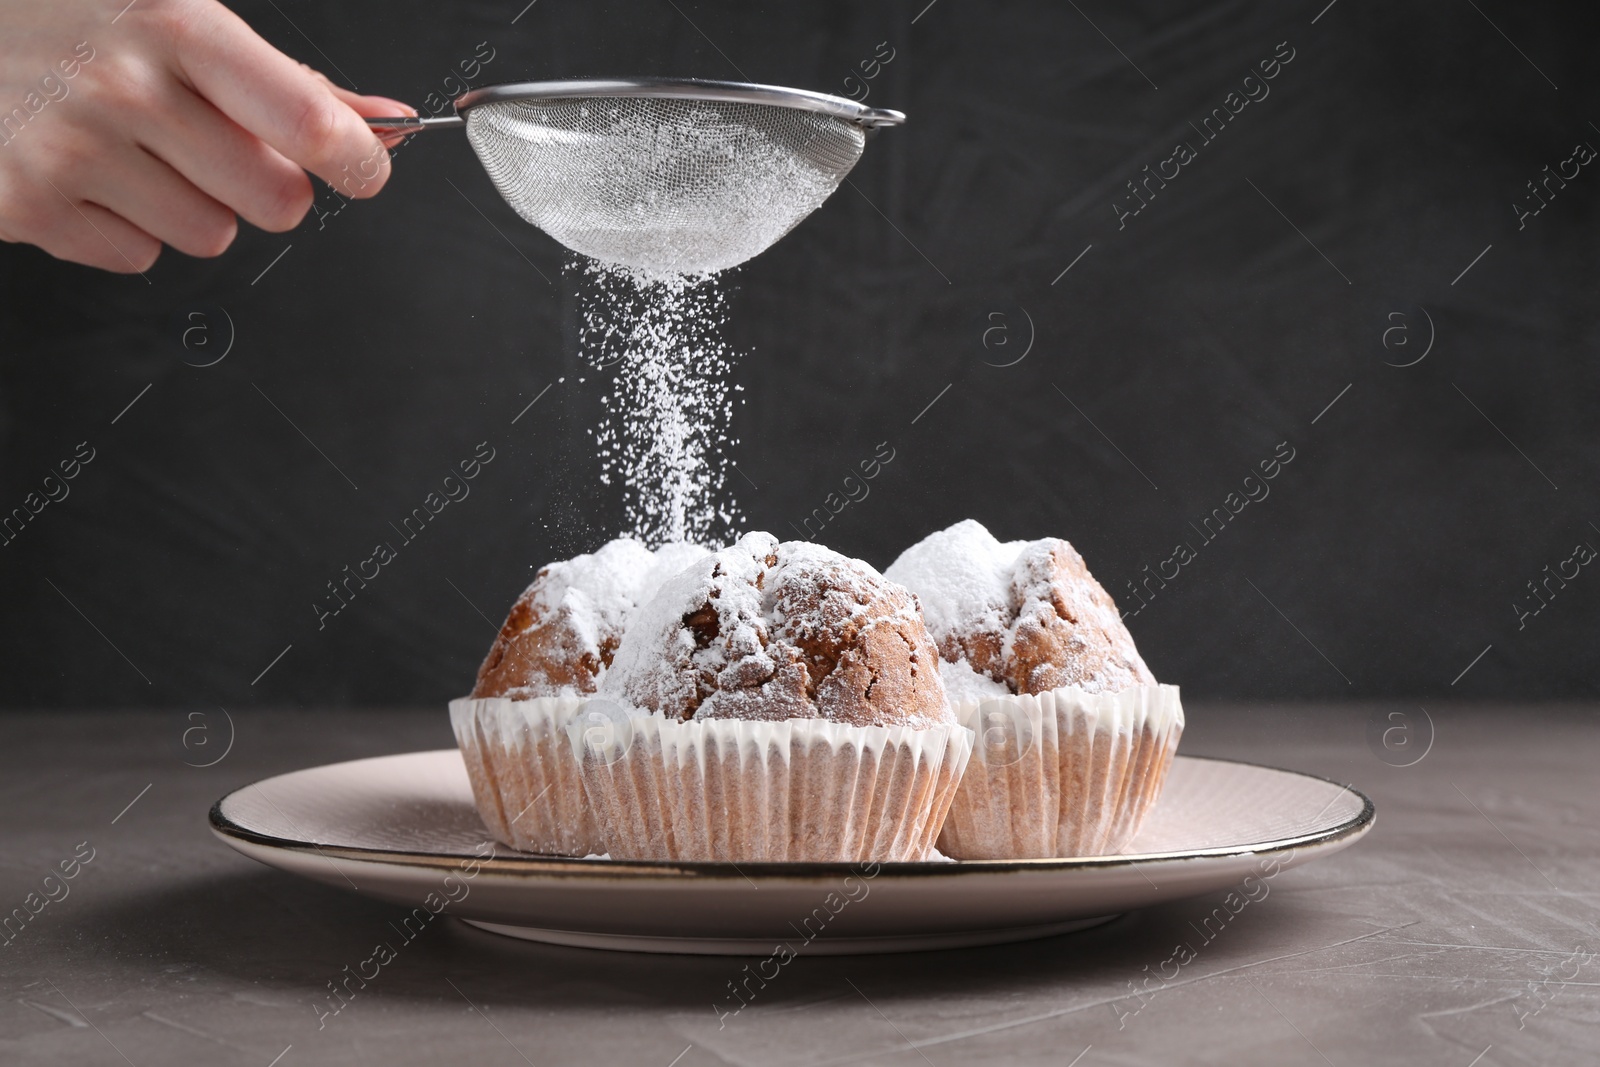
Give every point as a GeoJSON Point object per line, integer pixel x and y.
{"type": "Point", "coordinates": [662, 185]}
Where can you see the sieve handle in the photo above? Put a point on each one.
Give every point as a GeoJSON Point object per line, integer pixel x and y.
{"type": "Point", "coordinates": [414, 125]}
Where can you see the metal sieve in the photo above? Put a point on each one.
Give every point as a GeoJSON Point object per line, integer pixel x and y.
{"type": "Point", "coordinates": [663, 175]}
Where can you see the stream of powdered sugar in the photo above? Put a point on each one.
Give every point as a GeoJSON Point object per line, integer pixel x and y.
{"type": "Point", "coordinates": [664, 435]}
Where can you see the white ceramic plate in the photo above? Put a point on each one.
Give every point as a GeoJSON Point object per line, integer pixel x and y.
{"type": "Point", "coordinates": [403, 829]}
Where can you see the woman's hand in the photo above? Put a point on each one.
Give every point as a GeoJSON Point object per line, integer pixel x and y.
{"type": "Point", "coordinates": [124, 127]}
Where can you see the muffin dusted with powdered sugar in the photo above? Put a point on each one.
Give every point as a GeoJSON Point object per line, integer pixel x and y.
{"type": "Point", "coordinates": [1025, 616]}
{"type": "Point", "coordinates": [782, 702]}
{"type": "Point", "coordinates": [555, 647]}
{"type": "Point", "coordinates": [563, 631]}
{"type": "Point", "coordinates": [1074, 735]}
{"type": "Point", "coordinates": [767, 632]}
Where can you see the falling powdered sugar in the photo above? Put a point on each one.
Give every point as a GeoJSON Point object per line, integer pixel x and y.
{"type": "Point", "coordinates": [664, 436]}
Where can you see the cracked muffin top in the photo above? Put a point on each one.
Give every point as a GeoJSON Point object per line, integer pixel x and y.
{"type": "Point", "coordinates": [772, 631]}
{"type": "Point", "coordinates": [1017, 617]}
{"type": "Point", "coordinates": [564, 629]}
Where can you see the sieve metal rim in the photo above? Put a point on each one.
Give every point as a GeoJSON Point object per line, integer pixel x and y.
{"type": "Point", "coordinates": [839, 107]}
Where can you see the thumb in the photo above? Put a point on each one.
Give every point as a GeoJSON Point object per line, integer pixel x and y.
{"type": "Point", "coordinates": [371, 107]}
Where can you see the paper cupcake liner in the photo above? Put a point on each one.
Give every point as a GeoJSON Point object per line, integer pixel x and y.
{"type": "Point", "coordinates": [804, 790]}
{"type": "Point", "coordinates": [524, 779]}
{"type": "Point", "coordinates": [1063, 773]}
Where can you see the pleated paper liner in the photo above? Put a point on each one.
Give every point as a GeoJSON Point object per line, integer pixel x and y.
{"type": "Point", "coordinates": [1063, 773]}
{"type": "Point", "coordinates": [524, 779]}
{"type": "Point", "coordinates": [803, 790]}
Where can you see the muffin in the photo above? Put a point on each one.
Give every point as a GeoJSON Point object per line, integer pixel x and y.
{"type": "Point", "coordinates": [551, 654]}
{"type": "Point", "coordinates": [773, 702]}
{"type": "Point", "coordinates": [1074, 736]}
{"type": "Point", "coordinates": [564, 629]}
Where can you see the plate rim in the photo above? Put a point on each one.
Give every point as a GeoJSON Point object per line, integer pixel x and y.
{"type": "Point", "coordinates": [526, 864]}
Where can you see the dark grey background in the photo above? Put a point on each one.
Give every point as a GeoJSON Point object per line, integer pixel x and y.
{"type": "Point", "coordinates": [1172, 357]}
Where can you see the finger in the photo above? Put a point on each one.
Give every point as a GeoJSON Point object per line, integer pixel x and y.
{"type": "Point", "coordinates": [375, 107]}
{"type": "Point", "coordinates": [163, 203]}
{"type": "Point", "coordinates": [280, 102]}
{"type": "Point", "coordinates": [369, 107]}
{"type": "Point", "coordinates": [226, 162]}
{"type": "Point", "coordinates": [86, 233]}
{"type": "Point", "coordinates": [42, 203]}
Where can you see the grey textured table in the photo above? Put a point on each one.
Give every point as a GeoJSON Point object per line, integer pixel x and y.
{"type": "Point", "coordinates": [1462, 931]}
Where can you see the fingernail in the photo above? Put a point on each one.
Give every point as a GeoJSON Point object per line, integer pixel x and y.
{"type": "Point", "coordinates": [398, 106]}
